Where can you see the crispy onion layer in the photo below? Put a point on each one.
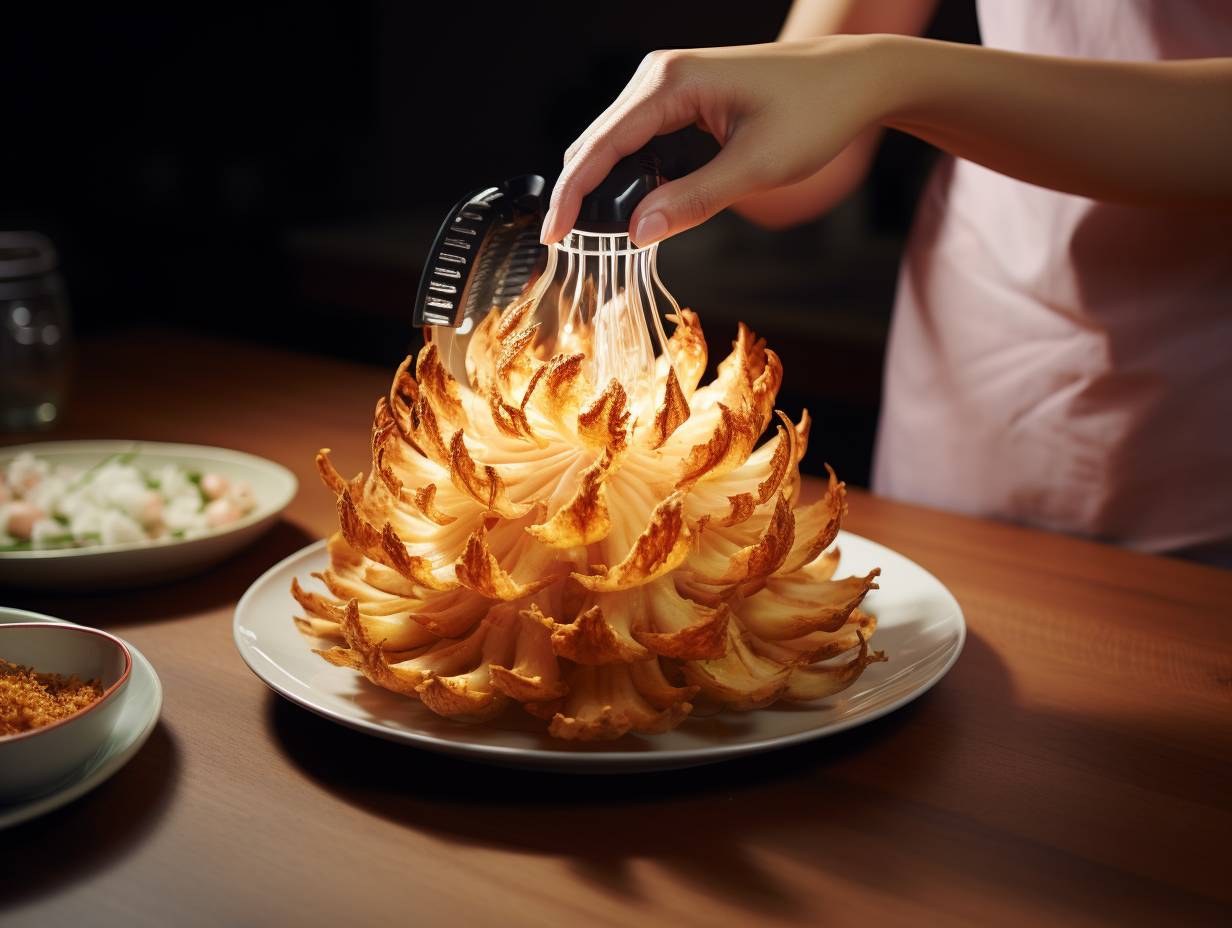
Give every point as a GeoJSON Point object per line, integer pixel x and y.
{"type": "Point", "coordinates": [529, 537]}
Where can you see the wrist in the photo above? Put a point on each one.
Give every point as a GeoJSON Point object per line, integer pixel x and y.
{"type": "Point", "coordinates": [903, 72]}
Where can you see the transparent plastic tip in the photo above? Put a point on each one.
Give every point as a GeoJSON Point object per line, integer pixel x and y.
{"type": "Point", "coordinates": [601, 297]}
{"type": "Point", "coordinates": [610, 302]}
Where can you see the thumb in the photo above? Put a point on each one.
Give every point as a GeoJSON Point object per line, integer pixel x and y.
{"type": "Point", "coordinates": [735, 172]}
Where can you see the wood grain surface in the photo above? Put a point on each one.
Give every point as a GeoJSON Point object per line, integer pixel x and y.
{"type": "Point", "coordinates": [1073, 768]}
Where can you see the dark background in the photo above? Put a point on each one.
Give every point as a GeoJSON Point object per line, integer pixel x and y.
{"type": "Point", "coordinates": [276, 173]}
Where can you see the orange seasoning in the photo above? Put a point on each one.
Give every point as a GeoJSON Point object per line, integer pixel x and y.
{"type": "Point", "coordinates": [30, 700]}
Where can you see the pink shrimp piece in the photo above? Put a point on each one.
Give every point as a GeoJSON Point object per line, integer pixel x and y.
{"type": "Point", "coordinates": [214, 486]}
{"type": "Point", "coordinates": [221, 512]}
{"type": "Point", "coordinates": [21, 519]}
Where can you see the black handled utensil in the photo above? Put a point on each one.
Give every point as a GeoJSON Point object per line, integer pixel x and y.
{"type": "Point", "coordinates": [487, 250]}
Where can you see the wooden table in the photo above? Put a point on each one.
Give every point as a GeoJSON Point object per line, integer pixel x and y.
{"type": "Point", "coordinates": [1073, 768]}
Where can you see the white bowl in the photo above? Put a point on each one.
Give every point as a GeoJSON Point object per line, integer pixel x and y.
{"type": "Point", "coordinates": [141, 562]}
{"type": "Point", "coordinates": [38, 760]}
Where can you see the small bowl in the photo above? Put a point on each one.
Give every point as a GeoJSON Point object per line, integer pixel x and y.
{"type": "Point", "coordinates": [38, 760]}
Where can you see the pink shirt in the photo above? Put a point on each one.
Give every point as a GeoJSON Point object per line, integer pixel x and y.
{"type": "Point", "coordinates": [1059, 361]}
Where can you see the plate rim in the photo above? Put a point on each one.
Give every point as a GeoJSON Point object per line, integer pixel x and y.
{"type": "Point", "coordinates": [112, 761]}
{"type": "Point", "coordinates": [619, 761]}
{"type": "Point", "coordinates": [256, 517]}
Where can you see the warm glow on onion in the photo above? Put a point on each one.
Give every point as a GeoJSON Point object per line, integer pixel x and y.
{"type": "Point", "coordinates": [528, 537]}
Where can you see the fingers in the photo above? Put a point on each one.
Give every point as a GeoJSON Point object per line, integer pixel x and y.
{"type": "Point", "coordinates": [635, 83]}
{"type": "Point", "coordinates": [625, 133]}
{"type": "Point", "coordinates": [737, 171]}
{"type": "Point", "coordinates": [595, 158]}
{"type": "Point", "coordinates": [650, 106]}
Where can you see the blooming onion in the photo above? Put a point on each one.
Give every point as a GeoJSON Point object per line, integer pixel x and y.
{"type": "Point", "coordinates": [530, 537]}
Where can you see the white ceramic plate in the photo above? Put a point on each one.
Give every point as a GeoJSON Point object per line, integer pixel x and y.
{"type": "Point", "coordinates": [109, 566]}
{"type": "Point", "coordinates": [919, 626]}
{"type": "Point", "coordinates": [143, 700]}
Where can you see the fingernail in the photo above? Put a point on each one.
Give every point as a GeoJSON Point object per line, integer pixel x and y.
{"type": "Point", "coordinates": [548, 221]}
{"type": "Point", "coordinates": [650, 229]}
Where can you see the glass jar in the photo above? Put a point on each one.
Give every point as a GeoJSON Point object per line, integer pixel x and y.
{"type": "Point", "coordinates": [34, 333]}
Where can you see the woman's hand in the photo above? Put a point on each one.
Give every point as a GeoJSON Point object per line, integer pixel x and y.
{"type": "Point", "coordinates": [1155, 133]}
{"type": "Point", "coordinates": [780, 112]}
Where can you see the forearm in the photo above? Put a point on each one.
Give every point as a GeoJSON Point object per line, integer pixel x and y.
{"type": "Point", "coordinates": [1133, 132]}
{"type": "Point", "coordinates": [808, 19]}
{"type": "Point", "coordinates": [1155, 132]}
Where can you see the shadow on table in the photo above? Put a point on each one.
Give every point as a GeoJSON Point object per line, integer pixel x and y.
{"type": "Point", "coordinates": [703, 824]}
{"type": "Point", "coordinates": [941, 803]}
{"type": "Point", "coordinates": [215, 588]}
{"type": "Point", "coordinates": [94, 832]}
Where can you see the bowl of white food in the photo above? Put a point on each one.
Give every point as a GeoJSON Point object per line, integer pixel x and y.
{"type": "Point", "coordinates": [102, 514]}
